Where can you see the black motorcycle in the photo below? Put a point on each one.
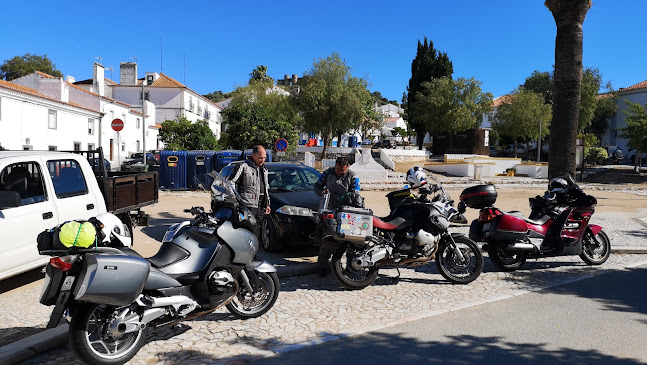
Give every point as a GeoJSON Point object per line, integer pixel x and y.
{"type": "Point", "coordinates": [415, 233]}
{"type": "Point", "coordinates": [112, 295]}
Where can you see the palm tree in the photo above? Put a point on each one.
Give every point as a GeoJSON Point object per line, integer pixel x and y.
{"type": "Point", "coordinates": [569, 16]}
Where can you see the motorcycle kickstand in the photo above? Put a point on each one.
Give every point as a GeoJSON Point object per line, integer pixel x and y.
{"type": "Point", "coordinates": [398, 269]}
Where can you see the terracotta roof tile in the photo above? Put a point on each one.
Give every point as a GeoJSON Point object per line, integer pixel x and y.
{"type": "Point", "coordinates": [393, 119]}
{"type": "Point", "coordinates": [640, 85]}
{"type": "Point", "coordinates": [166, 81]}
{"type": "Point", "coordinates": [501, 100]}
{"type": "Point", "coordinates": [46, 75]}
{"type": "Point", "coordinates": [25, 89]}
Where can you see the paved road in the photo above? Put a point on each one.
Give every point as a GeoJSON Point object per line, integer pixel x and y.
{"type": "Point", "coordinates": [594, 321]}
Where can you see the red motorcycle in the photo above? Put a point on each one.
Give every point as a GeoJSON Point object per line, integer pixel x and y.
{"type": "Point", "coordinates": [557, 226]}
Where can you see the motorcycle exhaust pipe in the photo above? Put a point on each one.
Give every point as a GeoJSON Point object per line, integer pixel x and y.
{"type": "Point", "coordinates": [369, 259]}
{"type": "Point", "coordinates": [520, 246]}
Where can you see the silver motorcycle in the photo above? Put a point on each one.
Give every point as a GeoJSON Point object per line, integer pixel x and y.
{"type": "Point", "coordinates": [112, 296]}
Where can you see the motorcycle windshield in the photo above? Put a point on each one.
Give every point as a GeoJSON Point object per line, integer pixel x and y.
{"type": "Point", "coordinates": [222, 190]}
{"type": "Point", "coordinates": [432, 180]}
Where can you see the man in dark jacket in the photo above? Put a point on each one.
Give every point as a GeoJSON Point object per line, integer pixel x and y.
{"type": "Point", "coordinates": [337, 181]}
{"type": "Point", "coordinates": [250, 179]}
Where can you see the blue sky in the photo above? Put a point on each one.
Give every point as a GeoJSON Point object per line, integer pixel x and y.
{"type": "Point", "coordinates": [214, 45]}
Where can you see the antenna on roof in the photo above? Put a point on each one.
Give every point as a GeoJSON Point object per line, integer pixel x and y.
{"type": "Point", "coordinates": [100, 59]}
{"type": "Point", "coordinates": [161, 64]}
{"type": "Point", "coordinates": [110, 69]}
{"type": "Point", "coordinates": [184, 80]}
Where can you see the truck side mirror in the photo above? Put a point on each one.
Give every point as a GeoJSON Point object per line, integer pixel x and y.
{"type": "Point", "coordinates": [9, 199]}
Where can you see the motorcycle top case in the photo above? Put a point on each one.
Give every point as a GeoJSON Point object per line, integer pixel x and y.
{"type": "Point", "coordinates": [111, 279]}
{"type": "Point", "coordinates": [354, 224]}
{"type": "Point", "coordinates": [479, 196]}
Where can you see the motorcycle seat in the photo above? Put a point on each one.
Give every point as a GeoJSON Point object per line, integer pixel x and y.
{"type": "Point", "coordinates": [387, 223]}
{"type": "Point", "coordinates": [537, 222]}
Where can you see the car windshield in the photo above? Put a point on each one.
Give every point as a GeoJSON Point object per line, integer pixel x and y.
{"type": "Point", "coordinates": [291, 178]}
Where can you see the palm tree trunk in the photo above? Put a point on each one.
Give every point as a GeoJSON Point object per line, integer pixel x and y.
{"type": "Point", "coordinates": [569, 16]}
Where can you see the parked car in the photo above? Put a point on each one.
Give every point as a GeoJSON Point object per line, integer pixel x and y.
{"type": "Point", "coordinates": [42, 189]}
{"type": "Point", "coordinates": [136, 158]}
{"type": "Point", "coordinates": [521, 150]}
{"type": "Point", "coordinates": [384, 143]}
{"type": "Point", "coordinates": [293, 202]}
{"type": "Point", "coordinates": [494, 152]}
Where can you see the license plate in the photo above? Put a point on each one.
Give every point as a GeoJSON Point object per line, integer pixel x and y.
{"type": "Point", "coordinates": [486, 227]}
{"type": "Point", "coordinates": [67, 283]}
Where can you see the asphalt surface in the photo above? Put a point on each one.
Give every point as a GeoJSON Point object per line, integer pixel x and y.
{"type": "Point", "coordinates": [600, 320]}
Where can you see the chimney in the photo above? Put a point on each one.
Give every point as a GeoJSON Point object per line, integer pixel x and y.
{"type": "Point", "coordinates": [70, 79]}
{"type": "Point", "coordinates": [295, 78]}
{"type": "Point", "coordinates": [98, 79]}
{"type": "Point", "coordinates": [128, 73]}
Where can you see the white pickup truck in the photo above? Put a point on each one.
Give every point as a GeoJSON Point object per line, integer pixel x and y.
{"type": "Point", "coordinates": [41, 189]}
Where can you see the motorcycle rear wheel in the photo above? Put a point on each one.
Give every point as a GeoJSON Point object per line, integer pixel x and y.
{"type": "Point", "coordinates": [504, 259]}
{"type": "Point", "coordinates": [348, 276]}
{"type": "Point", "coordinates": [453, 268]}
{"type": "Point", "coordinates": [595, 249]}
{"type": "Point", "coordinates": [245, 305]}
{"type": "Point", "coordinates": [91, 342]}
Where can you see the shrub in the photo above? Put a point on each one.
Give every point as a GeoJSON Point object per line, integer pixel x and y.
{"type": "Point", "coordinates": [595, 154]}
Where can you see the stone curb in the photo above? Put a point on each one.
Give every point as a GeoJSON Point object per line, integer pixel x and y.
{"type": "Point", "coordinates": [48, 339]}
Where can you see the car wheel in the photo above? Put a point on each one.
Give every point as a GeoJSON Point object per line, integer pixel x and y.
{"type": "Point", "coordinates": [269, 238]}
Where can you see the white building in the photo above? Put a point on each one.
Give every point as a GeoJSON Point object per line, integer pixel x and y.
{"type": "Point", "coordinates": [94, 131]}
{"type": "Point", "coordinates": [389, 110]}
{"type": "Point", "coordinates": [636, 94]}
{"type": "Point", "coordinates": [30, 120]}
{"type": "Point", "coordinates": [171, 98]}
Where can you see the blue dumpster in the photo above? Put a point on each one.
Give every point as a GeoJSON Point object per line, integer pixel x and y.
{"type": "Point", "coordinates": [173, 166]}
{"type": "Point", "coordinates": [249, 152]}
{"type": "Point", "coordinates": [224, 157]}
{"type": "Point", "coordinates": [198, 165]}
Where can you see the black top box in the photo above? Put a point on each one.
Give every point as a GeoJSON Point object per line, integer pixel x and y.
{"type": "Point", "coordinates": [479, 196]}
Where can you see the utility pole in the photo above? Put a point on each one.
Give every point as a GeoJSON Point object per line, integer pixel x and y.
{"type": "Point", "coordinates": [539, 144]}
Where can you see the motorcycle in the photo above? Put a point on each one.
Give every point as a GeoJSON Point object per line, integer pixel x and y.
{"type": "Point", "coordinates": [557, 226]}
{"type": "Point", "coordinates": [112, 296]}
{"type": "Point", "coordinates": [413, 234]}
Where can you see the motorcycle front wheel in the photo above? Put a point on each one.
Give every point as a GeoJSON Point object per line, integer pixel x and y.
{"type": "Point", "coordinates": [92, 342]}
{"type": "Point", "coordinates": [251, 305]}
{"type": "Point", "coordinates": [504, 259]}
{"type": "Point", "coordinates": [457, 269]}
{"type": "Point", "coordinates": [595, 248]}
{"type": "Point", "coordinates": [347, 273]}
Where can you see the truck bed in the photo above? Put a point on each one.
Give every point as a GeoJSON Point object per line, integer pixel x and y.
{"type": "Point", "coordinates": [124, 192]}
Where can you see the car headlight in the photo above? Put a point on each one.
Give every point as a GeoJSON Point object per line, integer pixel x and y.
{"type": "Point", "coordinates": [292, 210]}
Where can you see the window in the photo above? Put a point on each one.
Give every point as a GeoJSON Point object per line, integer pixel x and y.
{"type": "Point", "coordinates": [123, 146]}
{"type": "Point", "coordinates": [77, 146]}
{"type": "Point", "coordinates": [137, 123]}
{"type": "Point", "coordinates": [51, 121]}
{"type": "Point", "coordinates": [149, 79]}
{"type": "Point", "coordinates": [90, 146]}
{"type": "Point", "coordinates": [24, 178]}
{"type": "Point", "coordinates": [67, 178]}
{"type": "Point", "coordinates": [52, 148]}
{"type": "Point", "coordinates": [147, 95]}
{"type": "Point", "coordinates": [137, 146]}
{"type": "Point", "coordinates": [91, 126]}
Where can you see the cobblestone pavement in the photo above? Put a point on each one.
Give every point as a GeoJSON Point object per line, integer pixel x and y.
{"type": "Point", "coordinates": [311, 309]}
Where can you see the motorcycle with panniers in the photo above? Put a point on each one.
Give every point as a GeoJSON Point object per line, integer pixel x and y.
{"type": "Point", "coordinates": [413, 234]}
{"type": "Point", "coordinates": [558, 225]}
{"type": "Point", "coordinates": [112, 296]}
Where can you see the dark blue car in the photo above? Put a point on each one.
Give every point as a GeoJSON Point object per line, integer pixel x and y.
{"type": "Point", "coordinates": [293, 202]}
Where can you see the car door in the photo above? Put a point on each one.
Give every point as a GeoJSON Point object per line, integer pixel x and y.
{"type": "Point", "coordinates": [21, 225]}
{"type": "Point", "coordinates": [72, 194]}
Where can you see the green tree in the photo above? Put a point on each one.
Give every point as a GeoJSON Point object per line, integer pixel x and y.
{"type": "Point", "coordinates": [542, 83]}
{"type": "Point", "coordinates": [181, 134]}
{"type": "Point", "coordinates": [24, 65]}
{"type": "Point", "coordinates": [606, 107]}
{"type": "Point", "coordinates": [250, 124]}
{"type": "Point", "coordinates": [451, 106]}
{"type": "Point", "coordinates": [521, 115]}
{"type": "Point", "coordinates": [217, 96]}
{"type": "Point", "coordinates": [636, 130]}
{"type": "Point", "coordinates": [260, 74]}
{"type": "Point", "coordinates": [428, 64]}
{"type": "Point", "coordinates": [333, 101]}
{"type": "Point", "coordinates": [569, 16]}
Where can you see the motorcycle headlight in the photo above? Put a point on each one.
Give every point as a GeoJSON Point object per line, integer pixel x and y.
{"type": "Point", "coordinates": [292, 210]}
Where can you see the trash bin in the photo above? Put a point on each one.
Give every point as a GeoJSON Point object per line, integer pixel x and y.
{"type": "Point", "coordinates": [173, 166]}
{"type": "Point", "coordinates": [198, 164]}
{"type": "Point", "coordinates": [224, 157]}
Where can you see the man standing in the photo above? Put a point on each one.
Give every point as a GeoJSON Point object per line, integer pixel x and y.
{"type": "Point", "coordinates": [250, 179]}
{"type": "Point", "coordinates": [337, 181]}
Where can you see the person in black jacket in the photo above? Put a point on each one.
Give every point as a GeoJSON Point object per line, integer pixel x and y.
{"type": "Point", "coordinates": [336, 181]}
